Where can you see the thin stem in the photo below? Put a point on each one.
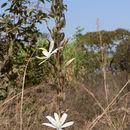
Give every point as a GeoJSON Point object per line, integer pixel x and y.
{"type": "Point", "coordinates": [99, 104]}
{"type": "Point", "coordinates": [91, 126]}
{"type": "Point", "coordinates": [104, 60]}
{"type": "Point", "coordinates": [22, 94]}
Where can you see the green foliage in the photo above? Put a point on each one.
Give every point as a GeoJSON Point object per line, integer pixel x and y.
{"type": "Point", "coordinates": [3, 5]}
{"type": "Point", "coordinates": [20, 21]}
{"type": "Point", "coordinates": [72, 51]}
{"type": "Point", "coordinates": [108, 37]}
{"type": "Point", "coordinates": [18, 39]}
{"type": "Point", "coordinates": [85, 59]}
{"type": "Point", "coordinates": [93, 61]}
{"type": "Point", "coordinates": [86, 50]}
{"type": "Point", "coordinates": [19, 53]}
{"type": "Point", "coordinates": [42, 42]}
{"type": "Point", "coordinates": [122, 56]}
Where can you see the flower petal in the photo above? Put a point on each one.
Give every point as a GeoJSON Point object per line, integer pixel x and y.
{"type": "Point", "coordinates": [41, 58]}
{"type": "Point", "coordinates": [67, 124]}
{"type": "Point", "coordinates": [59, 129]}
{"type": "Point", "coordinates": [46, 53]}
{"type": "Point", "coordinates": [69, 62]}
{"type": "Point", "coordinates": [43, 49]}
{"type": "Point", "coordinates": [52, 120]}
{"type": "Point", "coordinates": [48, 124]}
{"type": "Point", "coordinates": [55, 51]}
{"type": "Point", "coordinates": [51, 46]}
{"type": "Point", "coordinates": [63, 118]}
{"type": "Point", "coordinates": [56, 117]}
{"type": "Point", "coordinates": [43, 61]}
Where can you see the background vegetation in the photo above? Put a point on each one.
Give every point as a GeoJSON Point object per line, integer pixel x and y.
{"type": "Point", "coordinates": [19, 42]}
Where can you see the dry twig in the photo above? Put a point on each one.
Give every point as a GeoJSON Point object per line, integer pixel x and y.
{"type": "Point", "coordinates": [91, 126]}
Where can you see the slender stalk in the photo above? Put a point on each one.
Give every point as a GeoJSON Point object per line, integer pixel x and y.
{"type": "Point", "coordinates": [104, 60]}
{"type": "Point", "coordinates": [21, 108]}
{"type": "Point", "coordinates": [125, 114]}
{"type": "Point", "coordinates": [92, 125]}
{"type": "Point", "coordinates": [99, 104]}
{"type": "Point", "coordinates": [57, 11]}
{"type": "Point", "coordinates": [22, 93]}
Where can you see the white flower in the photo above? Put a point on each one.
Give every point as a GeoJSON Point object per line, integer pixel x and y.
{"type": "Point", "coordinates": [47, 54]}
{"type": "Point", "coordinates": [69, 62]}
{"type": "Point", "coordinates": [57, 122]}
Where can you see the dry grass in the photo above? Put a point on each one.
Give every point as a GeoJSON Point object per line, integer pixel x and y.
{"type": "Point", "coordinates": [95, 121]}
{"type": "Point", "coordinates": [39, 101]}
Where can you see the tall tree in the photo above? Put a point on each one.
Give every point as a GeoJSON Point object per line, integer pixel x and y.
{"type": "Point", "coordinates": [20, 20]}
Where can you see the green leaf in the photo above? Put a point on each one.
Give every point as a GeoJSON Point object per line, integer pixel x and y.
{"type": "Point", "coordinates": [48, 0]}
{"type": "Point", "coordinates": [42, 1]}
{"type": "Point", "coordinates": [40, 12]}
{"type": "Point", "coordinates": [7, 9]}
{"type": "Point", "coordinates": [3, 5]}
{"type": "Point", "coordinates": [44, 15]}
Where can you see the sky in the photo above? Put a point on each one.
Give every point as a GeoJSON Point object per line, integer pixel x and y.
{"type": "Point", "coordinates": [113, 14]}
